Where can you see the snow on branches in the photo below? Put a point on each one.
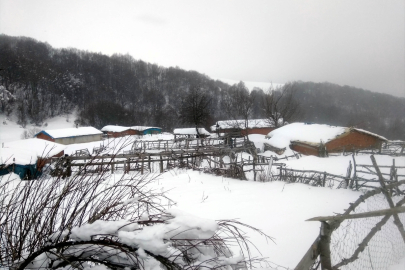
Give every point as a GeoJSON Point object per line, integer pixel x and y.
{"type": "Point", "coordinates": [109, 220]}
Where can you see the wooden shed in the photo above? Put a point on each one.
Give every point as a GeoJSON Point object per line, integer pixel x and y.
{"type": "Point", "coordinates": [319, 140]}
{"type": "Point", "coordinates": [71, 135]}
{"type": "Point", "coordinates": [118, 131]}
{"type": "Point", "coordinates": [144, 130]}
{"type": "Point", "coordinates": [238, 127]}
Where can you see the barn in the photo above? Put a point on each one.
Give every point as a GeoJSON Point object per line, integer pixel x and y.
{"type": "Point", "coordinates": [238, 127]}
{"type": "Point", "coordinates": [120, 131]}
{"type": "Point", "coordinates": [143, 130]}
{"type": "Point", "coordinates": [71, 135]}
{"type": "Point", "coordinates": [319, 140]}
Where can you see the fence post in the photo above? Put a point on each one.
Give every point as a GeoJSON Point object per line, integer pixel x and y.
{"type": "Point", "coordinates": [254, 168]}
{"type": "Point", "coordinates": [324, 179]}
{"type": "Point", "coordinates": [142, 166]}
{"type": "Point", "coordinates": [161, 164]}
{"type": "Point", "coordinates": [324, 246]}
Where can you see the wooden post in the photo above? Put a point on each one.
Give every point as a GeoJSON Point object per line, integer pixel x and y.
{"type": "Point", "coordinates": [161, 164]}
{"type": "Point", "coordinates": [149, 167]}
{"type": "Point", "coordinates": [142, 166]}
{"type": "Point", "coordinates": [324, 179]}
{"type": "Point", "coordinates": [112, 166]}
{"type": "Point", "coordinates": [324, 246]}
{"type": "Point", "coordinates": [254, 169]}
{"type": "Point", "coordinates": [128, 165]}
{"type": "Point", "coordinates": [354, 173]}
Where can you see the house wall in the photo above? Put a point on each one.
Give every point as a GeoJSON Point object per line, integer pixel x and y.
{"type": "Point", "coordinates": [244, 132]}
{"type": "Point", "coordinates": [123, 133]}
{"type": "Point", "coordinates": [262, 131]}
{"type": "Point", "coordinates": [45, 137]}
{"type": "Point", "coordinates": [79, 139]}
{"type": "Point", "coordinates": [305, 149]}
{"type": "Point", "coordinates": [152, 131]}
{"type": "Point", "coordinates": [353, 141]}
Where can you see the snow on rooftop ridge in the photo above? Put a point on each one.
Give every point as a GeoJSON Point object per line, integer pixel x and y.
{"type": "Point", "coordinates": [190, 131]}
{"type": "Point", "coordinates": [72, 132]}
{"type": "Point", "coordinates": [113, 128]}
{"type": "Point", "coordinates": [312, 134]}
{"type": "Point", "coordinates": [252, 123]}
{"type": "Point", "coordinates": [10, 156]}
{"type": "Point", "coordinates": [370, 133]}
{"type": "Point", "coordinates": [42, 148]}
{"type": "Point", "coordinates": [303, 132]}
{"type": "Point", "coordinates": [142, 128]}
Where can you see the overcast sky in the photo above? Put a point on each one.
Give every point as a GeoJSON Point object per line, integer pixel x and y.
{"type": "Point", "coordinates": [349, 42]}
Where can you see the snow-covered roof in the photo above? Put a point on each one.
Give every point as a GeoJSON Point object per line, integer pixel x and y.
{"type": "Point", "coordinates": [10, 156]}
{"type": "Point", "coordinates": [42, 148]}
{"type": "Point", "coordinates": [71, 132]}
{"type": "Point", "coordinates": [252, 123]}
{"type": "Point", "coordinates": [142, 128]}
{"type": "Point", "coordinates": [370, 133]}
{"type": "Point", "coordinates": [190, 131]}
{"type": "Point", "coordinates": [113, 128]}
{"type": "Point", "coordinates": [312, 134]}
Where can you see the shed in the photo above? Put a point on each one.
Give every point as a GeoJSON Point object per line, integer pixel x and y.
{"type": "Point", "coordinates": [71, 135]}
{"type": "Point", "coordinates": [255, 126]}
{"type": "Point", "coordinates": [190, 133]}
{"type": "Point", "coordinates": [118, 131]}
{"type": "Point", "coordinates": [319, 140]}
{"type": "Point", "coordinates": [144, 130]}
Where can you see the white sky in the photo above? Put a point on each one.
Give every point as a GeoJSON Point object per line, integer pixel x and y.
{"type": "Point", "coordinates": [359, 43]}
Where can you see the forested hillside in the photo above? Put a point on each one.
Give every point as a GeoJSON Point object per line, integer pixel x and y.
{"type": "Point", "coordinates": [38, 81]}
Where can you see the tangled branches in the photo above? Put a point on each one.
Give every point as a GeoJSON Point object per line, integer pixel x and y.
{"type": "Point", "coordinates": [112, 220]}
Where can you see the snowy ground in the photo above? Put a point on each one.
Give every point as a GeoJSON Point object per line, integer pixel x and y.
{"type": "Point", "coordinates": [277, 208]}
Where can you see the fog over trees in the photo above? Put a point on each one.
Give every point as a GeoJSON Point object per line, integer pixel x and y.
{"type": "Point", "coordinates": [38, 82]}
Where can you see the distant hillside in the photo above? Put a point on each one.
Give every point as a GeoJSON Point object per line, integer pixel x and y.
{"type": "Point", "coordinates": [38, 82]}
{"type": "Point", "coordinates": [348, 106]}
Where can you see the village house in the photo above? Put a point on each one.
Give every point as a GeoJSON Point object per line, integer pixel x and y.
{"type": "Point", "coordinates": [319, 140]}
{"type": "Point", "coordinates": [120, 131]}
{"type": "Point", "coordinates": [180, 133]}
{"type": "Point", "coordinates": [71, 135]}
{"type": "Point", "coordinates": [238, 127]}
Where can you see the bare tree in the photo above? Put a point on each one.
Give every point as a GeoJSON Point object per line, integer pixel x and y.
{"type": "Point", "coordinates": [195, 107]}
{"type": "Point", "coordinates": [116, 221]}
{"type": "Point", "coordinates": [280, 106]}
{"type": "Point", "coordinates": [239, 104]}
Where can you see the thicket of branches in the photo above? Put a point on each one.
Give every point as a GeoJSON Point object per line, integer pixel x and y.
{"type": "Point", "coordinates": [114, 220]}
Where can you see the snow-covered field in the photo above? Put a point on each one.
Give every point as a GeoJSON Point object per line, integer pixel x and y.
{"type": "Point", "coordinates": [276, 208]}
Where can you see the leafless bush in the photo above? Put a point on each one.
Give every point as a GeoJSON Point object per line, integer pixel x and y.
{"type": "Point", "coordinates": [114, 220]}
